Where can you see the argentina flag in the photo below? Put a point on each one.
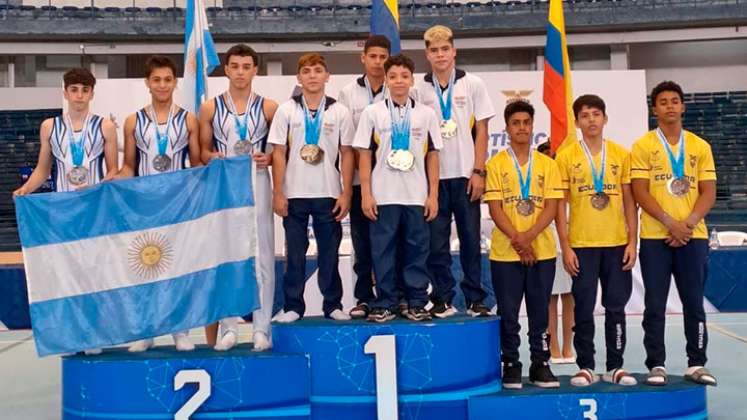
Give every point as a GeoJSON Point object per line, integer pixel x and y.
{"type": "Point", "coordinates": [139, 258]}
{"type": "Point", "coordinates": [200, 57]}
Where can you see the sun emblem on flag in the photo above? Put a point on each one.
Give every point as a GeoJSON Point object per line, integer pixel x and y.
{"type": "Point", "coordinates": [150, 255]}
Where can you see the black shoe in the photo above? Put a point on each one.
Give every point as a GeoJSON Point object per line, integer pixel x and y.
{"type": "Point", "coordinates": [540, 375]}
{"type": "Point", "coordinates": [360, 311]}
{"type": "Point", "coordinates": [381, 315]}
{"type": "Point", "coordinates": [403, 309]}
{"type": "Point", "coordinates": [443, 310]}
{"type": "Point", "coordinates": [512, 375]}
{"type": "Point", "coordinates": [419, 314]}
{"type": "Point", "coordinates": [478, 309]}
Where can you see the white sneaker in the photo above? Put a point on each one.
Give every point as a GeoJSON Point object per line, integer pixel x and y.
{"type": "Point", "coordinates": [227, 341]}
{"type": "Point", "coordinates": [92, 352]}
{"type": "Point", "coordinates": [141, 346]}
{"type": "Point", "coordinates": [261, 341]}
{"type": "Point", "coordinates": [339, 315]}
{"type": "Point", "coordinates": [182, 342]}
{"type": "Point", "coordinates": [287, 317]}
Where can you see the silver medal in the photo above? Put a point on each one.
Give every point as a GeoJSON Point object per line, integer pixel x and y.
{"type": "Point", "coordinates": [600, 201]}
{"type": "Point", "coordinates": [678, 186]}
{"type": "Point", "coordinates": [312, 154]}
{"type": "Point", "coordinates": [242, 147]}
{"type": "Point", "coordinates": [78, 175]}
{"type": "Point", "coordinates": [448, 129]}
{"type": "Point", "coordinates": [525, 207]}
{"type": "Point", "coordinates": [401, 160]}
{"type": "Point", "coordinates": [161, 163]}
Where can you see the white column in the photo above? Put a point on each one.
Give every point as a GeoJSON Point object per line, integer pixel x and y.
{"type": "Point", "coordinates": [619, 57]}
{"type": "Point", "coordinates": [274, 68]}
{"type": "Point", "coordinates": [100, 70]}
{"type": "Point", "coordinates": [540, 61]}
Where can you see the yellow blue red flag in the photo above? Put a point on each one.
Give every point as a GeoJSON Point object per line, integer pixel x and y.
{"type": "Point", "coordinates": [385, 21]}
{"type": "Point", "coordinates": [557, 92]}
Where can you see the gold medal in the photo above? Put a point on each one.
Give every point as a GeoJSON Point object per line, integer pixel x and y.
{"type": "Point", "coordinates": [600, 201]}
{"type": "Point", "coordinates": [678, 186]}
{"type": "Point", "coordinates": [525, 207]}
{"type": "Point", "coordinates": [448, 129]}
{"type": "Point", "coordinates": [312, 154]}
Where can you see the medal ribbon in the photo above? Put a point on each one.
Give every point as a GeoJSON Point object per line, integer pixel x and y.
{"type": "Point", "coordinates": [596, 176]}
{"type": "Point", "coordinates": [76, 144]}
{"type": "Point", "coordinates": [251, 112]}
{"type": "Point", "coordinates": [313, 125]}
{"type": "Point", "coordinates": [524, 183]}
{"type": "Point", "coordinates": [400, 125]}
{"type": "Point", "coordinates": [163, 140]}
{"type": "Point", "coordinates": [445, 106]}
{"type": "Point", "coordinates": [678, 165]}
{"type": "Point", "coordinates": [369, 91]}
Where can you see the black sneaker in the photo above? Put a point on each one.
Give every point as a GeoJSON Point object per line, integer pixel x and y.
{"type": "Point", "coordinates": [403, 309]}
{"type": "Point", "coordinates": [419, 314]}
{"type": "Point", "coordinates": [512, 375]}
{"type": "Point", "coordinates": [360, 311]}
{"type": "Point", "coordinates": [478, 309]}
{"type": "Point", "coordinates": [540, 375]}
{"type": "Point", "coordinates": [443, 310]}
{"type": "Point", "coordinates": [381, 315]}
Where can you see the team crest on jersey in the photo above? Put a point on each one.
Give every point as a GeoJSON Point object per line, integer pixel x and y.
{"type": "Point", "coordinates": [577, 168]}
{"type": "Point", "coordinates": [693, 160]}
{"type": "Point", "coordinates": [150, 255]}
{"type": "Point", "coordinates": [614, 168]}
{"type": "Point", "coordinates": [541, 181]}
{"type": "Point", "coordinates": [504, 178]}
{"type": "Point", "coordinates": [655, 156]}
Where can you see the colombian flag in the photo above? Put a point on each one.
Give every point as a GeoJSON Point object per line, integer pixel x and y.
{"type": "Point", "coordinates": [557, 93]}
{"type": "Point", "coordinates": [385, 21]}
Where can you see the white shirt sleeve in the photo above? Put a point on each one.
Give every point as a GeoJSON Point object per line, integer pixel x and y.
{"type": "Point", "coordinates": [365, 128]}
{"type": "Point", "coordinates": [434, 131]}
{"type": "Point", "coordinates": [483, 105]}
{"type": "Point", "coordinates": [342, 97]}
{"type": "Point", "coordinates": [347, 129]}
{"type": "Point", "coordinates": [279, 127]}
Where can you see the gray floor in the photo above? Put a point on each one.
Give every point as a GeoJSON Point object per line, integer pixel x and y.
{"type": "Point", "coordinates": [30, 386]}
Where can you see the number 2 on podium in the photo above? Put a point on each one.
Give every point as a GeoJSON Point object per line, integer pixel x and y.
{"type": "Point", "coordinates": [193, 376]}
{"type": "Point", "coordinates": [385, 357]}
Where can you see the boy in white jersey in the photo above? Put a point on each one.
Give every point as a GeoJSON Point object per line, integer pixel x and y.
{"type": "Point", "coordinates": [400, 190]}
{"type": "Point", "coordinates": [463, 105]}
{"type": "Point", "coordinates": [160, 138]}
{"type": "Point", "coordinates": [236, 123]}
{"type": "Point", "coordinates": [81, 144]}
{"type": "Point", "coordinates": [312, 136]}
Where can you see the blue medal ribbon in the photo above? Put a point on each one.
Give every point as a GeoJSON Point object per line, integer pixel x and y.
{"type": "Point", "coordinates": [445, 105]}
{"type": "Point", "coordinates": [678, 164]}
{"type": "Point", "coordinates": [524, 182]}
{"type": "Point", "coordinates": [77, 143]}
{"type": "Point", "coordinates": [400, 125]}
{"type": "Point", "coordinates": [313, 124]}
{"type": "Point", "coordinates": [597, 176]}
{"type": "Point", "coordinates": [242, 125]}
{"type": "Point", "coordinates": [162, 139]}
{"type": "Point", "coordinates": [369, 91]}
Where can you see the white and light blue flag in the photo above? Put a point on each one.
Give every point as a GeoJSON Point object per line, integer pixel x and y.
{"type": "Point", "coordinates": [200, 57]}
{"type": "Point", "coordinates": [140, 257]}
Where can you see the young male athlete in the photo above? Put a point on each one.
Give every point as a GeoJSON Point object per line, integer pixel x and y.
{"type": "Point", "coordinates": [400, 190]}
{"type": "Point", "coordinates": [523, 191]}
{"type": "Point", "coordinates": [82, 145]}
{"type": "Point", "coordinates": [236, 123]}
{"type": "Point", "coordinates": [600, 245]}
{"type": "Point", "coordinates": [462, 103]}
{"type": "Point", "coordinates": [674, 181]}
{"type": "Point", "coordinates": [160, 138]}
{"type": "Point", "coordinates": [312, 137]}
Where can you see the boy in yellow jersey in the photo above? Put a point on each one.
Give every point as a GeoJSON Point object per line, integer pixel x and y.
{"type": "Point", "coordinates": [601, 244]}
{"type": "Point", "coordinates": [523, 190]}
{"type": "Point", "coordinates": [674, 181]}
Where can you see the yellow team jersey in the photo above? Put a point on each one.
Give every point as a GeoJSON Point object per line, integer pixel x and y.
{"type": "Point", "coordinates": [649, 160]}
{"type": "Point", "coordinates": [590, 227]}
{"type": "Point", "coordinates": [503, 185]}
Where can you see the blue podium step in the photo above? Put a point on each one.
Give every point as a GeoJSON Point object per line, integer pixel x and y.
{"type": "Point", "coordinates": [240, 384]}
{"type": "Point", "coordinates": [603, 401]}
{"type": "Point", "coordinates": [439, 365]}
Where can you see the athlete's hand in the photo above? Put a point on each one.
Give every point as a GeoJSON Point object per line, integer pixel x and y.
{"type": "Point", "coordinates": [280, 204]}
{"type": "Point", "coordinates": [215, 155]}
{"type": "Point", "coordinates": [521, 242]}
{"type": "Point", "coordinates": [679, 232]}
{"type": "Point", "coordinates": [570, 261]}
{"type": "Point", "coordinates": [342, 206]}
{"type": "Point", "coordinates": [527, 257]}
{"type": "Point", "coordinates": [369, 207]}
{"type": "Point", "coordinates": [475, 187]}
{"type": "Point", "coordinates": [263, 160]}
{"type": "Point", "coordinates": [21, 191]}
{"type": "Point", "coordinates": [431, 207]}
{"type": "Point", "coordinates": [629, 256]}
{"type": "Point", "coordinates": [674, 243]}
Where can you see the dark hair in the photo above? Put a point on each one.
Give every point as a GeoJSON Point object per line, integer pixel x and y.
{"type": "Point", "coordinates": [399, 60]}
{"type": "Point", "coordinates": [517, 106]}
{"type": "Point", "coordinates": [159, 62]}
{"type": "Point", "coordinates": [378, 41]}
{"type": "Point", "coordinates": [589, 101]}
{"type": "Point", "coordinates": [242, 50]}
{"type": "Point", "coordinates": [544, 148]}
{"type": "Point", "coordinates": [666, 86]}
{"type": "Point", "coordinates": [79, 76]}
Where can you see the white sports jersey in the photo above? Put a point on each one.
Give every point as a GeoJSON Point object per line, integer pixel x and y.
{"type": "Point", "coordinates": [391, 186]}
{"type": "Point", "coordinates": [470, 103]}
{"type": "Point", "coordinates": [93, 151]}
{"type": "Point", "coordinates": [146, 142]}
{"type": "Point", "coordinates": [225, 136]}
{"type": "Point", "coordinates": [304, 180]}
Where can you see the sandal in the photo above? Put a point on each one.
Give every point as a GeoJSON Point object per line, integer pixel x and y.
{"type": "Point", "coordinates": [620, 376]}
{"type": "Point", "coordinates": [657, 376]}
{"type": "Point", "coordinates": [584, 377]}
{"type": "Point", "coordinates": [700, 375]}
